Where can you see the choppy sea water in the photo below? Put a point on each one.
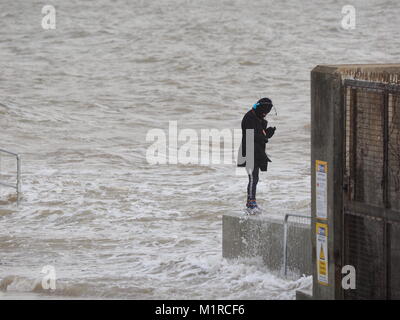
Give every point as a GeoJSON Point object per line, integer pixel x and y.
{"type": "Point", "coordinates": [78, 101]}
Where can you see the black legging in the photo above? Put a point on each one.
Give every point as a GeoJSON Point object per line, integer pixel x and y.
{"type": "Point", "coordinates": [252, 186]}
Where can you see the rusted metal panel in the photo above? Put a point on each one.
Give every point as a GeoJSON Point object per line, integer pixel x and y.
{"type": "Point", "coordinates": [372, 197]}
{"type": "Point", "coordinates": [369, 149]}
{"type": "Point", "coordinates": [394, 152]}
{"type": "Point", "coordinates": [390, 87]}
{"type": "Point", "coordinates": [394, 261]}
{"type": "Point", "coordinates": [364, 249]}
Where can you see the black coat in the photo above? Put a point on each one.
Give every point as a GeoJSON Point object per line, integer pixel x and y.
{"type": "Point", "coordinates": [251, 121]}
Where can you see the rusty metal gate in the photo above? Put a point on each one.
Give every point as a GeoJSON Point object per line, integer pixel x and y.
{"type": "Point", "coordinates": [371, 213]}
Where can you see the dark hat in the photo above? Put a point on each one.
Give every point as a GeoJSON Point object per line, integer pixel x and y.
{"type": "Point", "coordinates": [264, 104]}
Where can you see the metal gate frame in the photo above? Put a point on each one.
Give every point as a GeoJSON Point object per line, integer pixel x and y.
{"type": "Point", "coordinates": [356, 213]}
{"type": "Point", "coordinates": [17, 185]}
{"type": "Point", "coordinates": [285, 236]}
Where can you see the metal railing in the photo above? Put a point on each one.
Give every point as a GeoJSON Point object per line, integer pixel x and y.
{"type": "Point", "coordinates": [17, 185]}
{"type": "Point", "coordinates": [285, 236]}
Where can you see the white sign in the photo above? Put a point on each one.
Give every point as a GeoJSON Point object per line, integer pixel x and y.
{"type": "Point", "coordinates": [321, 189]}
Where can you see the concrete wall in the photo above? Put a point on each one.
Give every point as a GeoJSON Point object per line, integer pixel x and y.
{"type": "Point", "coordinates": [327, 127]}
{"type": "Point", "coordinates": [327, 141]}
{"type": "Point", "coordinates": [252, 236]}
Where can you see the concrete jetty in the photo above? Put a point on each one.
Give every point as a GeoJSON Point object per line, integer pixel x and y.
{"type": "Point", "coordinates": [263, 236]}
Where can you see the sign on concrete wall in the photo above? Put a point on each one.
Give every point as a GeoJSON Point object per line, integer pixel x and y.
{"type": "Point", "coordinates": [321, 189]}
{"type": "Point", "coordinates": [322, 252]}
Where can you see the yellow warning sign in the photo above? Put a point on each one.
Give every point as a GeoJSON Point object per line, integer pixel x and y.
{"type": "Point", "coordinates": [322, 262]}
{"type": "Point", "coordinates": [322, 252]}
